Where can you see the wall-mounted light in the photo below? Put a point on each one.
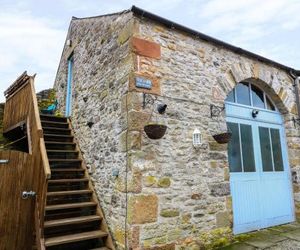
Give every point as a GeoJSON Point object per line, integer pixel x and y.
{"type": "Point", "coordinates": [90, 124]}
{"type": "Point", "coordinates": [255, 113]}
{"type": "Point", "coordinates": [69, 42]}
{"type": "Point", "coordinates": [161, 108]}
{"type": "Point", "coordinates": [197, 138]}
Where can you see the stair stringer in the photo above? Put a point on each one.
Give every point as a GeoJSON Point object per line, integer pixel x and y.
{"type": "Point", "coordinates": [104, 227]}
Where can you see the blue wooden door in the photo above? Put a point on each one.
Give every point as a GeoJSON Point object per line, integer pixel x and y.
{"type": "Point", "coordinates": [260, 179]}
{"type": "Point", "coordinates": [69, 87]}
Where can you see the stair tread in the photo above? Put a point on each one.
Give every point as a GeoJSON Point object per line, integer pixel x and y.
{"type": "Point", "coordinates": [101, 248]}
{"type": "Point", "coordinates": [54, 116]}
{"type": "Point", "coordinates": [56, 128]}
{"type": "Point", "coordinates": [67, 170]}
{"type": "Point", "coordinates": [60, 142]}
{"type": "Point", "coordinates": [70, 205]}
{"type": "Point", "coordinates": [41, 114]}
{"type": "Point", "coordinates": [53, 241]}
{"type": "Point", "coordinates": [61, 151]}
{"type": "Point", "coordinates": [68, 180]}
{"type": "Point", "coordinates": [54, 122]}
{"type": "Point", "coordinates": [67, 160]}
{"type": "Point", "coordinates": [68, 221]}
{"type": "Point", "coordinates": [58, 135]}
{"type": "Point", "coordinates": [84, 191]}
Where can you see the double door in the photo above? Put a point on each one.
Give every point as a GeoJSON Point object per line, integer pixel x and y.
{"type": "Point", "coordinates": [260, 179]}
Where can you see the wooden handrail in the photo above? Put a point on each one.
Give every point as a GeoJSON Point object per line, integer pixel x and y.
{"type": "Point", "coordinates": [16, 85]}
{"type": "Point", "coordinates": [21, 104]}
{"type": "Point", "coordinates": [46, 165]}
{"type": "Point", "coordinates": [36, 108]}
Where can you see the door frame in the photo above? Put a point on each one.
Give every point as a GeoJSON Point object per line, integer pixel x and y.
{"type": "Point", "coordinates": [69, 86]}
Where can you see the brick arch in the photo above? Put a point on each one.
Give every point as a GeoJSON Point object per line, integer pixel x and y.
{"type": "Point", "coordinates": [267, 80]}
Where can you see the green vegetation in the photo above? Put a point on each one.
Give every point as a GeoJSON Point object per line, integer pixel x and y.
{"type": "Point", "coordinates": [43, 103]}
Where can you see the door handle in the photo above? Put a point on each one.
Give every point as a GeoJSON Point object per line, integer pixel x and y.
{"type": "Point", "coordinates": [26, 194]}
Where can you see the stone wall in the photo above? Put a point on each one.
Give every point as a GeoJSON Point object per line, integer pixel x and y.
{"type": "Point", "coordinates": [175, 193]}
{"type": "Point", "coordinates": [100, 49]}
{"type": "Point", "coordinates": [186, 190]}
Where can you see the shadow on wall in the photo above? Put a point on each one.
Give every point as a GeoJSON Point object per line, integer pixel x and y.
{"type": "Point", "coordinates": [3, 141]}
{"type": "Point", "coordinates": [7, 143]}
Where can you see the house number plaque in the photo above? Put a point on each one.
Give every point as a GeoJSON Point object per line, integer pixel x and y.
{"type": "Point", "coordinates": [143, 83]}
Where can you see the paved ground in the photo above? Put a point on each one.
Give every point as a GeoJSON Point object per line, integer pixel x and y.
{"type": "Point", "coordinates": [285, 237]}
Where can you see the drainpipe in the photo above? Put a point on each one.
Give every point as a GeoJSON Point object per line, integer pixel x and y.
{"type": "Point", "coordinates": [296, 77]}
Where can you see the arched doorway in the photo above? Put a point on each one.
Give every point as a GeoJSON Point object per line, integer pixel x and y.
{"type": "Point", "coordinates": [260, 179]}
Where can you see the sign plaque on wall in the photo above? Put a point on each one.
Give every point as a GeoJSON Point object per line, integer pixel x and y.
{"type": "Point", "coordinates": [143, 83]}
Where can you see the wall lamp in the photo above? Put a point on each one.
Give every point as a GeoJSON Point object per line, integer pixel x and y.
{"type": "Point", "coordinates": [161, 108]}
{"type": "Point", "coordinates": [148, 99]}
{"type": "Point", "coordinates": [255, 113]}
{"type": "Point", "coordinates": [197, 138]}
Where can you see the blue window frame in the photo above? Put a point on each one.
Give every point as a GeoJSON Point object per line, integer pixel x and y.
{"type": "Point", "coordinates": [248, 94]}
{"type": "Point", "coordinates": [69, 86]}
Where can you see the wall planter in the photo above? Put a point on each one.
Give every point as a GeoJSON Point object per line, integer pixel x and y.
{"type": "Point", "coordinates": [223, 138]}
{"type": "Point", "coordinates": [155, 131]}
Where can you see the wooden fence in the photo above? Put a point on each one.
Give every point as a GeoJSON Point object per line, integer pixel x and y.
{"type": "Point", "coordinates": [16, 214]}
{"type": "Point", "coordinates": [21, 106]}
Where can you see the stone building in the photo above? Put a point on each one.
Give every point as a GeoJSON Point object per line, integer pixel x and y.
{"type": "Point", "coordinates": [117, 69]}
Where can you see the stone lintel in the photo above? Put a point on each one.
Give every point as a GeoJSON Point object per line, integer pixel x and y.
{"type": "Point", "coordinates": [146, 48]}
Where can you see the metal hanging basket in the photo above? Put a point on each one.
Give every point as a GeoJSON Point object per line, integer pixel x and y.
{"type": "Point", "coordinates": [223, 138]}
{"type": "Point", "coordinates": [155, 131]}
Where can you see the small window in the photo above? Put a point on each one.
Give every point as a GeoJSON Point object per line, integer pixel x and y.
{"type": "Point", "coordinates": [257, 97]}
{"type": "Point", "coordinates": [231, 96]}
{"type": "Point", "coordinates": [234, 149]}
{"type": "Point", "coordinates": [269, 104]}
{"type": "Point", "coordinates": [250, 95]}
{"type": "Point", "coordinates": [240, 148]}
{"type": "Point", "coordinates": [270, 147]}
{"type": "Point", "coordinates": [265, 148]}
{"type": "Point", "coordinates": [276, 147]}
{"type": "Point", "coordinates": [247, 148]}
{"type": "Point", "coordinates": [242, 93]}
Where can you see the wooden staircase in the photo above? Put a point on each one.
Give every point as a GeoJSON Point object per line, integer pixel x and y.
{"type": "Point", "coordinates": [73, 218]}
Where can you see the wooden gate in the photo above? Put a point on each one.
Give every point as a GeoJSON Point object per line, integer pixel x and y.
{"type": "Point", "coordinates": [16, 214]}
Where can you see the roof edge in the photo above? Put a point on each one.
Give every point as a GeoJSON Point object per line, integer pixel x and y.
{"type": "Point", "coordinates": [172, 25]}
{"type": "Point", "coordinates": [110, 14]}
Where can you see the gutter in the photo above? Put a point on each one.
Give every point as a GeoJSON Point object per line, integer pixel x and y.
{"type": "Point", "coordinates": [295, 74]}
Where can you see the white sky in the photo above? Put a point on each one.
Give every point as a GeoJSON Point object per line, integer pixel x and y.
{"type": "Point", "coordinates": [32, 32]}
